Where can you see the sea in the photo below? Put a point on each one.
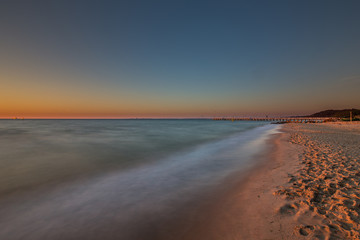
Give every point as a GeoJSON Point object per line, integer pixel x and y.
{"type": "Point", "coordinates": [118, 178]}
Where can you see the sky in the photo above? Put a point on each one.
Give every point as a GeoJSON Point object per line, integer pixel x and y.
{"type": "Point", "coordinates": [115, 59]}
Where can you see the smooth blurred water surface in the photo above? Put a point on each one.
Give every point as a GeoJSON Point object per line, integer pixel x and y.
{"type": "Point", "coordinates": [123, 179]}
{"type": "Point", "coordinates": [34, 152]}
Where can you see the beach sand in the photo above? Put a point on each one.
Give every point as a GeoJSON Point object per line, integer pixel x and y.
{"type": "Point", "coordinates": [324, 195]}
{"type": "Point", "coordinates": [308, 190]}
{"type": "Point", "coordinates": [306, 186]}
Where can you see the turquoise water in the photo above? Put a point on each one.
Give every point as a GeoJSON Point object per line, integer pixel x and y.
{"type": "Point", "coordinates": [115, 178]}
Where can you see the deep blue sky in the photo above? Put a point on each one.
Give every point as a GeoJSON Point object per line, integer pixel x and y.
{"type": "Point", "coordinates": [178, 58]}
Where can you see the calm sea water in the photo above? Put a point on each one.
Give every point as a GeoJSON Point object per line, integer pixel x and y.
{"type": "Point", "coordinates": [123, 179]}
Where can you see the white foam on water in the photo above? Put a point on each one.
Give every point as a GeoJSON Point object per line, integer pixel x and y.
{"type": "Point", "coordinates": [130, 199]}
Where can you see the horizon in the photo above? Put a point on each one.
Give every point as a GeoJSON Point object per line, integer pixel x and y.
{"type": "Point", "coordinates": [249, 115]}
{"type": "Point", "coordinates": [170, 118]}
{"type": "Point", "coordinates": [189, 59]}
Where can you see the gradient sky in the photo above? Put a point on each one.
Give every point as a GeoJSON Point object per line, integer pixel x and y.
{"type": "Point", "coordinates": [177, 58]}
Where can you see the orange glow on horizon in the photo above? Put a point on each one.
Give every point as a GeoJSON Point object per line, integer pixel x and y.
{"type": "Point", "coordinates": [33, 96]}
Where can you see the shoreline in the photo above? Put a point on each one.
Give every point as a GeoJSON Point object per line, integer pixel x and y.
{"type": "Point", "coordinates": [168, 200]}
{"type": "Point", "coordinates": [248, 210]}
{"type": "Point", "coordinates": [307, 189]}
{"type": "Point", "coordinates": [290, 191]}
{"type": "Point", "coordinates": [236, 209]}
{"type": "Point", "coordinates": [306, 186]}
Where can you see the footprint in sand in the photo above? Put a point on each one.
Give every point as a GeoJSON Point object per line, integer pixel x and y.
{"type": "Point", "coordinates": [305, 230]}
{"type": "Point", "coordinates": [288, 209]}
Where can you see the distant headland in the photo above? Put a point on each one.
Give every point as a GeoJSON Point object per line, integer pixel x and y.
{"type": "Point", "coordinates": [344, 113]}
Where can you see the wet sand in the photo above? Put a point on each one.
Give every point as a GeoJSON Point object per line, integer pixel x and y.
{"type": "Point", "coordinates": [309, 189]}
{"type": "Point", "coordinates": [306, 186]}
{"type": "Point", "coordinates": [175, 198]}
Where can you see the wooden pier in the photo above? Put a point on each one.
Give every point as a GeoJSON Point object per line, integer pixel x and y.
{"type": "Point", "coordinates": [279, 119]}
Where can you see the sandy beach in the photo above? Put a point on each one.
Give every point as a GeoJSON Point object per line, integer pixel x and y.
{"type": "Point", "coordinates": [305, 187]}
{"type": "Point", "coordinates": [308, 190]}
{"type": "Point", "coordinates": [302, 184]}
